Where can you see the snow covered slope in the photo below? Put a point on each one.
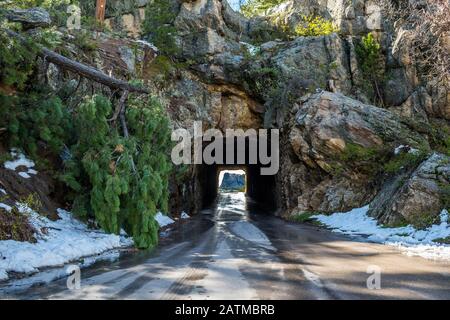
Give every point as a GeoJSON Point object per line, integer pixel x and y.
{"type": "Point", "coordinates": [59, 242]}
{"type": "Point", "coordinates": [409, 240]}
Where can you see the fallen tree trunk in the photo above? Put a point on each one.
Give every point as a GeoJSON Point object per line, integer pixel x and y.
{"type": "Point", "coordinates": [82, 69]}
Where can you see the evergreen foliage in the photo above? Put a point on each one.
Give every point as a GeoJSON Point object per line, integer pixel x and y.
{"type": "Point", "coordinates": [32, 118]}
{"type": "Point", "coordinates": [312, 26]}
{"type": "Point", "coordinates": [158, 25]}
{"type": "Point", "coordinates": [371, 63]}
{"type": "Point", "coordinates": [37, 114]}
{"type": "Point", "coordinates": [121, 182]}
{"type": "Point", "coordinates": [16, 59]}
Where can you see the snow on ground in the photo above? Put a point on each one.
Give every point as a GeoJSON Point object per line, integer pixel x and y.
{"type": "Point", "coordinates": [402, 148]}
{"type": "Point", "coordinates": [410, 241]}
{"type": "Point", "coordinates": [252, 50]}
{"type": "Point", "coordinates": [66, 240]}
{"type": "Point", "coordinates": [184, 215]}
{"type": "Point", "coordinates": [5, 206]}
{"type": "Point", "coordinates": [163, 220]}
{"type": "Point", "coordinates": [21, 160]}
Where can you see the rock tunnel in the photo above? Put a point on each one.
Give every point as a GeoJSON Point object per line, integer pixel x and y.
{"type": "Point", "coordinates": [260, 186]}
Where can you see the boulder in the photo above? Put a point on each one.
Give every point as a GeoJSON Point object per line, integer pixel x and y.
{"type": "Point", "coordinates": [30, 18]}
{"type": "Point", "coordinates": [331, 158]}
{"type": "Point", "coordinates": [327, 122]}
{"type": "Point", "coordinates": [416, 197]}
{"type": "Point", "coordinates": [316, 60]}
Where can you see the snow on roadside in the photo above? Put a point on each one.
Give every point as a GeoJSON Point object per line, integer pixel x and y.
{"type": "Point", "coordinates": [66, 240]}
{"type": "Point", "coordinates": [20, 160]}
{"type": "Point", "coordinates": [410, 241]}
{"type": "Point", "coordinates": [163, 220]}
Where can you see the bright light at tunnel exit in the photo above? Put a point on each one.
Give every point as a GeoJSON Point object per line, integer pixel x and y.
{"type": "Point", "coordinates": [222, 173]}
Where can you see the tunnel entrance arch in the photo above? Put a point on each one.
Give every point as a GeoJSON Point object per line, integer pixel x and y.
{"type": "Point", "coordinates": [259, 187]}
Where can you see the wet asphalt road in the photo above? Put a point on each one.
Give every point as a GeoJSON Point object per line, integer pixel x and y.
{"type": "Point", "coordinates": [237, 251]}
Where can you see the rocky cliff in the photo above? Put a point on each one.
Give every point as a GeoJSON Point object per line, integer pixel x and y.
{"type": "Point", "coordinates": [232, 181]}
{"type": "Point", "coordinates": [342, 146]}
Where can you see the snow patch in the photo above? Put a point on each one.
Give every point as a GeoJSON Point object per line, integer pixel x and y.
{"type": "Point", "coordinates": [184, 215]}
{"type": "Point", "coordinates": [3, 191]}
{"type": "Point", "coordinates": [163, 220]}
{"type": "Point", "coordinates": [21, 161]}
{"type": "Point", "coordinates": [5, 206]}
{"type": "Point", "coordinates": [24, 175]}
{"type": "Point", "coordinates": [401, 148]}
{"type": "Point", "coordinates": [407, 239]}
{"type": "Point", "coordinates": [66, 240]}
{"type": "Point", "coordinates": [148, 45]}
{"type": "Point", "coordinates": [253, 50]}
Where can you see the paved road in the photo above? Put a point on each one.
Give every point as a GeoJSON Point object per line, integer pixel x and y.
{"type": "Point", "coordinates": [237, 251]}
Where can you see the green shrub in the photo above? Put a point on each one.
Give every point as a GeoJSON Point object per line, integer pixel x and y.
{"type": "Point", "coordinates": [306, 217]}
{"type": "Point", "coordinates": [367, 161]}
{"type": "Point", "coordinates": [405, 160]}
{"type": "Point", "coordinates": [371, 62]}
{"type": "Point", "coordinates": [303, 217]}
{"type": "Point", "coordinates": [442, 240]}
{"type": "Point", "coordinates": [158, 26]}
{"type": "Point", "coordinates": [33, 117]}
{"type": "Point", "coordinates": [314, 26]}
{"type": "Point", "coordinates": [261, 80]}
{"type": "Point", "coordinates": [15, 226]}
{"type": "Point", "coordinates": [16, 60]}
{"type": "Point", "coordinates": [118, 181]}
{"type": "Point", "coordinates": [445, 195]}
{"type": "Point", "coordinates": [32, 201]}
{"type": "Point", "coordinates": [424, 221]}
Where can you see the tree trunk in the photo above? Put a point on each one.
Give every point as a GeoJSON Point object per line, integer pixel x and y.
{"type": "Point", "coordinates": [100, 11]}
{"type": "Point", "coordinates": [82, 69]}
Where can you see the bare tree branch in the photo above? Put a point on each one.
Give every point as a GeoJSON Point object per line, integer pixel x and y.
{"type": "Point", "coordinates": [82, 69]}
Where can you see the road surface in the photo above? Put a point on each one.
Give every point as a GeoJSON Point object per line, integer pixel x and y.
{"type": "Point", "coordinates": [237, 251]}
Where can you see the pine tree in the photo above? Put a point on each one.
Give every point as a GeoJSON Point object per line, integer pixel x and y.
{"type": "Point", "coordinates": [159, 28]}
{"type": "Point", "coordinates": [126, 179]}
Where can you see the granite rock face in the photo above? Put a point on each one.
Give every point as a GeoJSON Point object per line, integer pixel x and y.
{"type": "Point", "coordinates": [334, 142]}
{"type": "Point", "coordinates": [331, 152]}
{"type": "Point", "coordinates": [416, 197]}
{"type": "Point", "coordinates": [30, 18]}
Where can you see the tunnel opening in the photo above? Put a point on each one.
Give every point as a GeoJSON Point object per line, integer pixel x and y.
{"type": "Point", "coordinates": [260, 188]}
{"type": "Point", "coordinates": [232, 180]}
